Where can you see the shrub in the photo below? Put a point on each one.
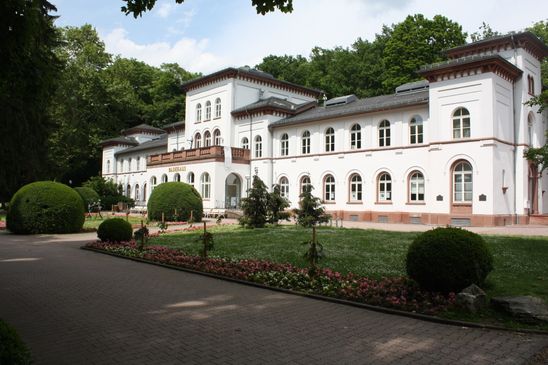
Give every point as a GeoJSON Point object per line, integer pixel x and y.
{"type": "Point", "coordinates": [448, 259]}
{"type": "Point", "coordinates": [176, 200]}
{"type": "Point", "coordinates": [115, 230]}
{"type": "Point", "coordinates": [255, 206]}
{"type": "Point", "coordinates": [12, 349]}
{"type": "Point", "coordinates": [89, 196]}
{"type": "Point", "coordinates": [45, 207]}
{"type": "Point", "coordinates": [310, 211]}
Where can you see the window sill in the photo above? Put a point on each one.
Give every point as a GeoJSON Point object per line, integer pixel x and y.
{"type": "Point", "coordinates": [216, 118]}
{"type": "Point", "coordinates": [415, 203]}
{"type": "Point", "coordinates": [384, 203]}
{"type": "Point", "coordinates": [328, 202]}
{"type": "Point", "coordinates": [357, 202]}
{"type": "Point", "coordinates": [457, 204]}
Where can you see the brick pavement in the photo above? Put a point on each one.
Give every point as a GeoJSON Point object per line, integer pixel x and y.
{"type": "Point", "coordinates": [78, 307]}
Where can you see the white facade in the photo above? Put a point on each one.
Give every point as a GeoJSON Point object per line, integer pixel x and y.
{"type": "Point", "coordinates": [449, 151]}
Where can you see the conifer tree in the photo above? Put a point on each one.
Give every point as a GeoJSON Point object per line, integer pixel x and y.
{"type": "Point", "coordinates": [255, 205]}
{"type": "Point", "coordinates": [310, 211]}
{"type": "Point", "coordinates": [276, 206]}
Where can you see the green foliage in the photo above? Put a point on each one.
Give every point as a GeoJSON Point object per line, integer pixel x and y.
{"type": "Point", "coordinates": [115, 230]}
{"type": "Point", "coordinates": [138, 7]}
{"type": "Point", "coordinates": [176, 200]}
{"type": "Point", "coordinates": [484, 31]}
{"type": "Point", "coordinates": [27, 81]}
{"type": "Point", "coordinates": [13, 350]}
{"type": "Point", "coordinates": [415, 42]}
{"type": "Point", "coordinates": [276, 204]}
{"type": "Point", "coordinates": [448, 259]}
{"type": "Point", "coordinates": [89, 196]}
{"type": "Point", "coordinates": [255, 205]}
{"type": "Point", "coordinates": [109, 193]}
{"type": "Point", "coordinates": [310, 211]}
{"type": "Point", "coordinates": [45, 207]}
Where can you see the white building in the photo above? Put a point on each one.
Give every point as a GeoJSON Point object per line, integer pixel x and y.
{"type": "Point", "coordinates": [445, 150]}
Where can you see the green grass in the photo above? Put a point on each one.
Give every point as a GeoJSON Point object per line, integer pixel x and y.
{"type": "Point", "coordinates": [93, 223]}
{"type": "Point", "coordinates": [521, 263]}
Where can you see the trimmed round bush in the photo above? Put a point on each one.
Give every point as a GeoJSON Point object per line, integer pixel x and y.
{"type": "Point", "coordinates": [176, 200]}
{"type": "Point", "coordinates": [115, 230]}
{"type": "Point", "coordinates": [45, 207]}
{"type": "Point", "coordinates": [448, 259]}
{"type": "Point", "coordinates": [12, 349]}
{"type": "Point", "coordinates": [89, 196]}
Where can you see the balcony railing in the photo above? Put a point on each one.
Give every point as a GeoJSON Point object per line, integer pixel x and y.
{"type": "Point", "coordinates": [239, 155]}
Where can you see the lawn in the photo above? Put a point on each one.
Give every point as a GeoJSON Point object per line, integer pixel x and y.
{"type": "Point", "coordinates": [521, 263]}
{"type": "Point", "coordinates": [94, 222]}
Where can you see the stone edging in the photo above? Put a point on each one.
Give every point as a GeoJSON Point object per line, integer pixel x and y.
{"type": "Point", "coordinates": [374, 308]}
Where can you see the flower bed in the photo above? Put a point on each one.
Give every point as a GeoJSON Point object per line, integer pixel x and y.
{"type": "Point", "coordinates": [397, 293]}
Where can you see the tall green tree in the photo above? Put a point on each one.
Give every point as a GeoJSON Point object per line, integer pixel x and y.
{"type": "Point", "coordinates": [81, 106]}
{"type": "Point", "coordinates": [27, 81]}
{"type": "Point", "coordinates": [415, 42]}
{"type": "Point", "coordinates": [255, 205]}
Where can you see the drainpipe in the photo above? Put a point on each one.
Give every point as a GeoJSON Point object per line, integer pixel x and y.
{"type": "Point", "coordinates": [515, 136]}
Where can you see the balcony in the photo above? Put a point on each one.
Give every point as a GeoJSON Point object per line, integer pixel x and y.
{"type": "Point", "coordinates": [217, 153]}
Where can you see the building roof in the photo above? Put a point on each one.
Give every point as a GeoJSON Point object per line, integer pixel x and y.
{"type": "Point", "coordinates": [367, 105]}
{"type": "Point", "coordinates": [486, 62]}
{"type": "Point", "coordinates": [174, 126]}
{"type": "Point", "coordinates": [127, 141]}
{"type": "Point", "coordinates": [527, 40]}
{"type": "Point", "coordinates": [142, 128]}
{"type": "Point", "coordinates": [413, 86]}
{"type": "Point", "coordinates": [155, 143]}
{"type": "Point", "coordinates": [247, 73]}
{"type": "Point", "coordinates": [272, 104]}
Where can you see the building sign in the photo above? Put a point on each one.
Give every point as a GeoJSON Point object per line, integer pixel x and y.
{"type": "Point", "coordinates": [177, 168]}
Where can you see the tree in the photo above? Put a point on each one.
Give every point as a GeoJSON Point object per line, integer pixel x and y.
{"type": "Point", "coordinates": [415, 42]}
{"type": "Point", "coordinates": [255, 205]}
{"type": "Point", "coordinates": [27, 81]}
{"type": "Point", "coordinates": [138, 7]}
{"type": "Point", "coordinates": [310, 211]}
{"type": "Point", "coordinates": [276, 204]}
{"type": "Point", "coordinates": [484, 31]}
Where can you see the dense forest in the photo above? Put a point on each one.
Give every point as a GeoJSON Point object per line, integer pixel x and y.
{"type": "Point", "coordinates": [61, 93]}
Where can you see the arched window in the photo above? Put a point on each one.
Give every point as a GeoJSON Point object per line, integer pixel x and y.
{"type": "Point", "coordinates": [284, 186]}
{"type": "Point", "coordinates": [416, 187]}
{"type": "Point", "coordinates": [284, 145]}
{"type": "Point", "coordinates": [120, 166]}
{"type": "Point", "coordinates": [305, 184]}
{"type": "Point", "coordinates": [355, 137]}
{"type": "Point", "coordinates": [329, 140]}
{"type": "Point", "coordinates": [128, 191]}
{"type": "Point", "coordinates": [153, 182]}
{"type": "Point", "coordinates": [415, 130]}
{"type": "Point", "coordinates": [207, 139]}
{"type": "Point", "coordinates": [461, 123]}
{"type": "Point", "coordinates": [145, 192]}
{"type": "Point", "coordinates": [177, 177]}
{"type": "Point", "coordinates": [530, 85]}
{"type": "Point", "coordinates": [305, 143]}
{"type": "Point", "coordinates": [462, 182]}
{"type": "Point", "coordinates": [164, 178]}
{"type": "Point", "coordinates": [205, 185]}
{"type": "Point", "coordinates": [329, 188]}
{"type": "Point", "coordinates": [190, 178]}
{"type": "Point", "coordinates": [217, 137]}
{"type": "Point", "coordinates": [258, 147]}
{"type": "Point", "coordinates": [138, 163]}
{"type": "Point", "coordinates": [355, 188]}
{"type": "Point", "coordinates": [130, 163]}
{"type": "Point", "coordinates": [530, 138]}
{"type": "Point", "coordinates": [218, 108]}
{"type": "Point", "coordinates": [384, 187]}
{"type": "Point", "coordinates": [137, 191]}
{"type": "Point", "coordinates": [197, 140]}
{"type": "Point", "coordinates": [208, 110]}
{"type": "Point", "coordinates": [199, 112]}
{"type": "Point", "coordinates": [384, 133]}
{"type": "Point", "coordinates": [245, 143]}
{"type": "Point", "coordinates": [108, 166]}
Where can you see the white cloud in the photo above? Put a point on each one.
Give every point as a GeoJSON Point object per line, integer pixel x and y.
{"type": "Point", "coordinates": [165, 10]}
{"type": "Point", "coordinates": [190, 53]}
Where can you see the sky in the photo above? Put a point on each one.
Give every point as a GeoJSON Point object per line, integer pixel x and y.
{"type": "Point", "coordinates": [209, 35]}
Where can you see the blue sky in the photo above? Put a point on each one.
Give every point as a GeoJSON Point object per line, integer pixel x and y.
{"type": "Point", "coordinates": [207, 35]}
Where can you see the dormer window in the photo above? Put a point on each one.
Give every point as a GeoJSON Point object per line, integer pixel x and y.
{"type": "Point", "coordinates": [199, 112]}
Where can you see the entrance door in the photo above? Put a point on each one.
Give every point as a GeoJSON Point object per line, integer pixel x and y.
{"type": "Point", "coordinates": [233, 191]}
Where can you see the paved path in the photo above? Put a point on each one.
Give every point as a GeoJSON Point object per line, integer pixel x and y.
{"type": "Point", "coordinates": [78, 307]}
